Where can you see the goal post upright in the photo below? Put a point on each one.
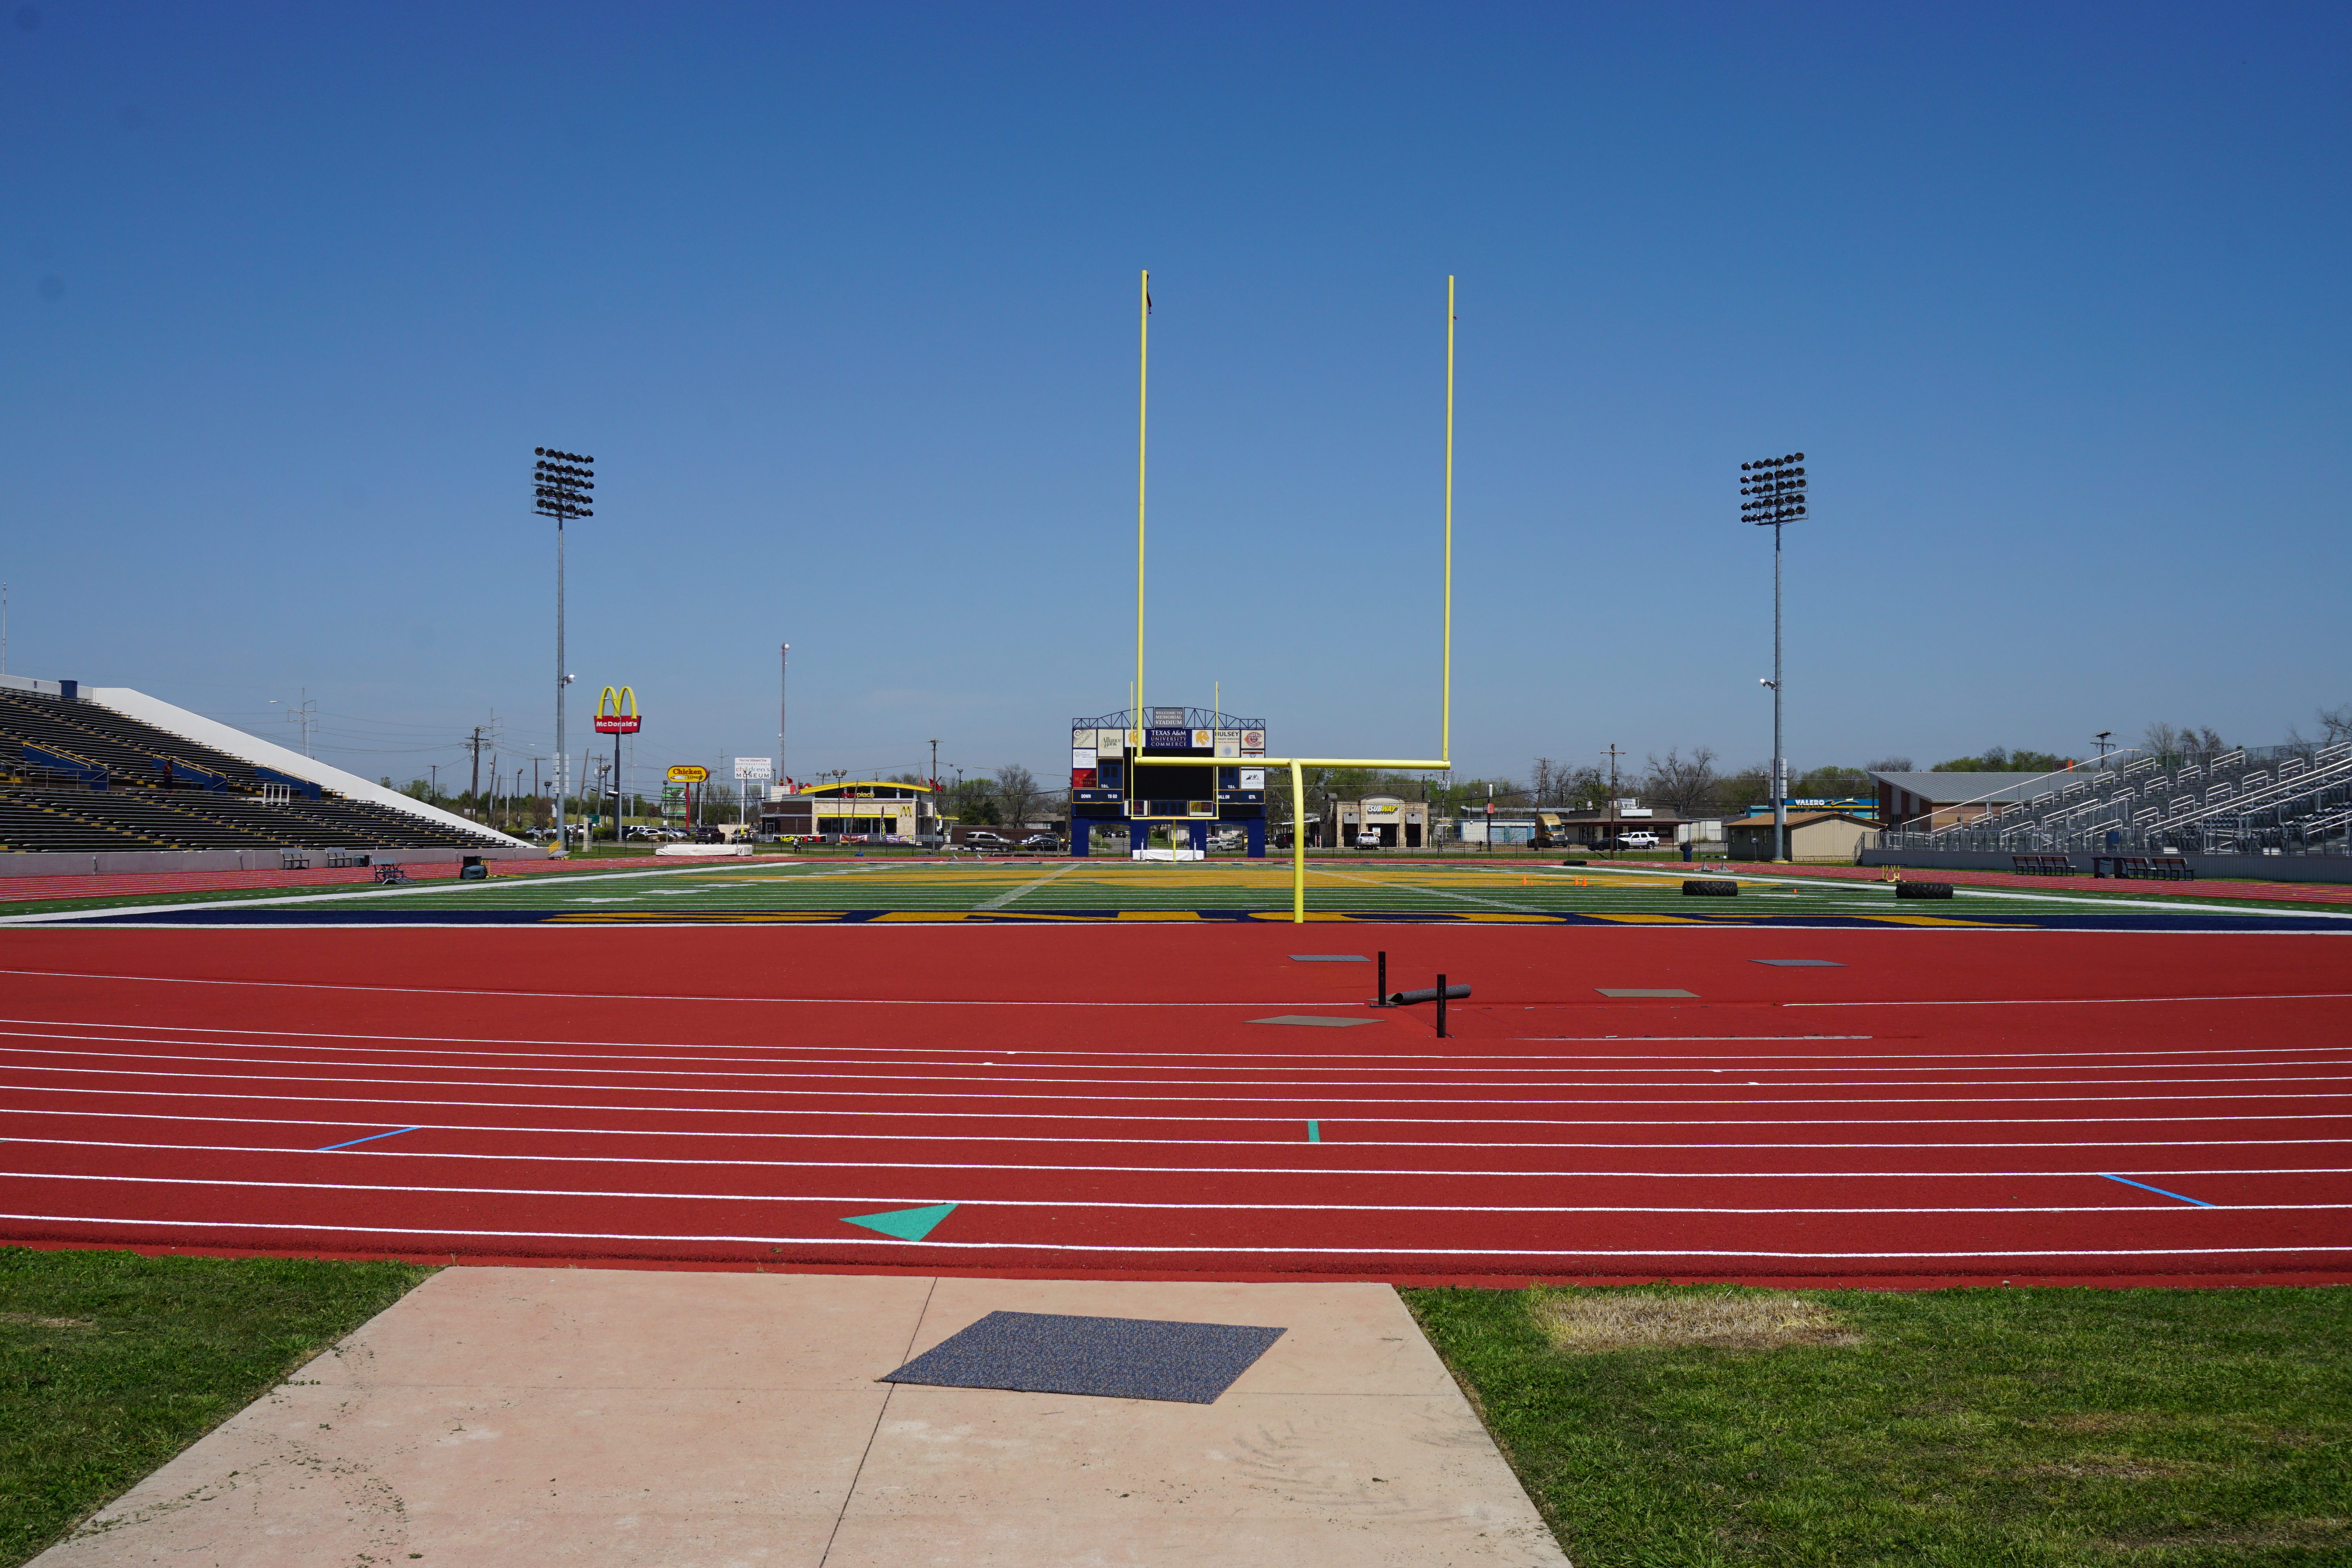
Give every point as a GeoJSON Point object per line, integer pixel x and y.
{"type": "Point", "coordinates": [1136, 710]}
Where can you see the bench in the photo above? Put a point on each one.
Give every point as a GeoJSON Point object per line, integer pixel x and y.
{"type": "Point", "coordinates": [390, 874]}
{"type": "Point", "coordinates": [2042, 864]}
{"type": "Point", "coordinates": [2143, 868]}
{"type": "Point", "coordinates": [343, 859]}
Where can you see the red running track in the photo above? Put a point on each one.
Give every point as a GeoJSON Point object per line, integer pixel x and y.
{"type": "Point", "coordinates": [1938, 1106]}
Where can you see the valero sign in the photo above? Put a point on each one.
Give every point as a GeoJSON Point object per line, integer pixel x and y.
{"type": "Point", "coordinates": [687, 772]}
{"type": "Point", "coordinates": [616, 711]}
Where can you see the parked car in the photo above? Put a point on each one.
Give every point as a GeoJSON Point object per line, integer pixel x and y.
{"type": "Point", "coordinates": [1640, 838]}
{"type": "Point", "coordinates": [1041, 841]}
{"type": "Point", "coordinates": [1368, 840]}
{"type": "Point", "coordinates": [981, 838]}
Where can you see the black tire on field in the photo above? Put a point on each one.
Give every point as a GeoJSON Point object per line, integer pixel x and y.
{"type": "Point", "coordinates": [1923, 889]}
{"type": "Point", "coordinates": [1700, 889]}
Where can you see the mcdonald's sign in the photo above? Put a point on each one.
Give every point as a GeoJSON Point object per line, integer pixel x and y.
{"type": "Point", "coordinates": [616, 711]}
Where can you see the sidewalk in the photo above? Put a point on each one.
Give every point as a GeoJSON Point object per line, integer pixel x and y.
{"type": "Point", "coordinates": [626, 1417]}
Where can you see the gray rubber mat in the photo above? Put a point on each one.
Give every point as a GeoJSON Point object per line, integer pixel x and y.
{"type": "Point", "coordinates": [1115, 1358]}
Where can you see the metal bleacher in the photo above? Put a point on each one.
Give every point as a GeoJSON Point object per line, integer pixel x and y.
{"type": "Point", "coordinates": [77, 776]}
{"type": "Point", "coordinates": [2286, 800]}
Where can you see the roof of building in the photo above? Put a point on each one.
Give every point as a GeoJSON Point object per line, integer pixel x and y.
{"type": "Point", "coordinates": [1797, 818]}
{"type": "Point", "coordinates": [1952, 788]}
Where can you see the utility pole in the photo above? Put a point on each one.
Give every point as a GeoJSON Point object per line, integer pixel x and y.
{"type": "Point", "coordinates": [2104, 738]}
{"type": "Point", "coordinates": [783, 704]}
{"type": "Point", "coordinates": [1612, 754]}
{"type": "Point", "coordinates": [935, 763]}
{"type": "Point", "coordinates": [474, 744]}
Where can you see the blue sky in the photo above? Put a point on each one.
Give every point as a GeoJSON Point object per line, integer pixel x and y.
{"type": "Point", "coordinates": [841, 299]}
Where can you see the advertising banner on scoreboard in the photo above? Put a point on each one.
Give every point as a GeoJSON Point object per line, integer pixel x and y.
{"type": "Point", "coordinates": [1158, 739]}
{"type": "Point", "coordinates": [1253, 742]}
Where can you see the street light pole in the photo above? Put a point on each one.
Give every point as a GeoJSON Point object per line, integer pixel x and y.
{"type": "Point", "coordinates": [560, 482]}
{"type": "Point", "coordinates": [1777, 488]}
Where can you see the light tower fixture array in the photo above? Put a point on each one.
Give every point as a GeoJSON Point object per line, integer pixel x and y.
{"type": "Point", "coordinates": [563, 481]}
{"type": "Point", "coordinates": [1777, 488]}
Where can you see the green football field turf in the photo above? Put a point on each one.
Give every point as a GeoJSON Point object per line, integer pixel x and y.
{"type": "Point", "coordinates": [775, 889]}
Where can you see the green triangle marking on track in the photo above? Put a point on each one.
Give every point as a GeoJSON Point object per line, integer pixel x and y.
{"type": "Point", "coordinates": [906, 1224]}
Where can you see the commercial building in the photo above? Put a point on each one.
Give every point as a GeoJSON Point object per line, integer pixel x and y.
{"type": "Point", "coordinates": [1922, 802]}
{"type": "Point", "coordinates": [876, 810]}
{"type": "Point", "coordinates": [1399, 824]}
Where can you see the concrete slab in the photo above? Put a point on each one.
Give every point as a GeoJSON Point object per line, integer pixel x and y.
{"type": "Point", "coordinates": [620, 1418]}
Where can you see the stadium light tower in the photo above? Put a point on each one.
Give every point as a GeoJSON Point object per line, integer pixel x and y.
{"type": "Point", "coordinates": [1776, 491]}
{"type": "Point", "coordinates": [562, 481]}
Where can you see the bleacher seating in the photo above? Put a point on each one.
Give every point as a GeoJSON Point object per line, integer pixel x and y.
{"type": "Point", "coordinates": [2287, 799]}
{"type": "Point", "coordinates": [75, 775]}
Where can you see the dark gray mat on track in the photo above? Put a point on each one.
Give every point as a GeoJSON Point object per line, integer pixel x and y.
{"type": "Point", "coordinates": [1117, 1358]}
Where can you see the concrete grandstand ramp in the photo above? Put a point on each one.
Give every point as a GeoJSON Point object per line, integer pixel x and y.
{"type": "Point", "coordinates": [279, 759]}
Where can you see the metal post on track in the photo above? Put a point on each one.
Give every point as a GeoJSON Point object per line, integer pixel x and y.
{"type": "Point", "coordinates": [1441, 1006]}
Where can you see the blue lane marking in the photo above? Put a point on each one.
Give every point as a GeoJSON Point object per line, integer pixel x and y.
{"type": "Point", "coordinates": [1315, 1132]}
{"type": "Point", "coordinates": [2159, 1191]}
{"type": "Point", "coordinates": [369, 1138]}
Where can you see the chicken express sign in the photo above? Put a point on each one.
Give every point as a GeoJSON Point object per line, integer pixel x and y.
{"type": "Point", "coordinates": [616, 711]}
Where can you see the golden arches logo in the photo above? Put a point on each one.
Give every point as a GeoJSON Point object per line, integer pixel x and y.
{"type": "Point", "coordinates": [616, 711]}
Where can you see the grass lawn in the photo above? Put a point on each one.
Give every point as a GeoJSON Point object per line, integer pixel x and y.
{"type": "Point", "coordinates": [111, 1364]}
{"type": "Point", "coordinates": [1983, 1427]}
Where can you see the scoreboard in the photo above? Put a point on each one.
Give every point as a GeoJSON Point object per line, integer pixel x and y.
{"type": "Point", "coordinates": [1168, 765]}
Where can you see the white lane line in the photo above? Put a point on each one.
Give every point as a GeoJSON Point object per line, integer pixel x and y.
{"type": "Point", "coordinates": [1110, 1204]}
{"type": "Point", "coordinates": [893, 1069]}
{"type": "Point", "coordinates": [1148, 1249]}
{"type": "Point", "coordinates": [630, 995]}
{"type": "Point", "coordinates": [1093, 1084]}
{"type": "Point", "coordinates": [1096, 1055]}
{"type": "Point", "coordinates": [900, 1137]}
{"type": "Point", "coordinates": [2004, 1175]}
{"type": "Point", "coordinates": [1002, 900]}
{"type": "Point", "coordinates": [2083, 1001]}
{"type": "Point", "coordinates": [1091, 1052]}
{"type": "Point", "coordinates": [1051, 1105]}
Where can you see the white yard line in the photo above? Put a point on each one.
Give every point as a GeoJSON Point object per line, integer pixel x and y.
{"type": "Point", "coordinates": [1442, 893]}
{"type": "Point", "coordinates": [1004, 898]}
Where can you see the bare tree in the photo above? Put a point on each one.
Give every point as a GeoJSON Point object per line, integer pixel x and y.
{"type": "Point", "coordinates": [1686, 783]}
{"type": "Point", "coordinates": [2338, 723]}
{"type": "Point", "coordinates": [1546, 780]}
{"type": "Point", "coordinates": [1890, 765]}
{"type": "Point", "coordinates": [2173, 747]}
{"type": "Point", "coordinates": [1017, 794]}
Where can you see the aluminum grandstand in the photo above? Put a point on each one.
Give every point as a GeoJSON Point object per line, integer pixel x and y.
{"type": "Point", "coordinates": [112, 770]}
{"type": "Point", "coordinates": [2290, 800]}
